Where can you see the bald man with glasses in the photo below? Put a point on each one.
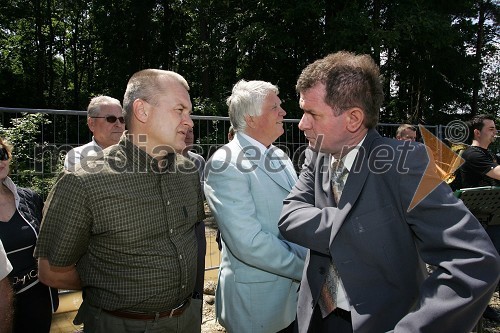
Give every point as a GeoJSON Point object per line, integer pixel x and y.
{"type": "Point", "coordinates": [106, 122]}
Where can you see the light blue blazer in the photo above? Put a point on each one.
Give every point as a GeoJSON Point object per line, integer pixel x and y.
{"type": "Point", "coordinates": [259, 270]}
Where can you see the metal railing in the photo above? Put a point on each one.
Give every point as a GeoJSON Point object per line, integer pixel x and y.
{"type": "Point", "coordinates": [66, 129]}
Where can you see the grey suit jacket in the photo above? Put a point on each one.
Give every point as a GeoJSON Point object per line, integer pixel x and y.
{"type": "Point", "coordinates": [379, 247]}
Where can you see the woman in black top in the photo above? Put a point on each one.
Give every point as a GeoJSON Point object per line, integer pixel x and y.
{"type": "Point", "coordinates": [20, 217]}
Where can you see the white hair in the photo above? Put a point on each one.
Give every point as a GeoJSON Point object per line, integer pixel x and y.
{"type": "Point", "coordinates": [246, 99]}
{"type": "Point", "coordinates": [95, 104]}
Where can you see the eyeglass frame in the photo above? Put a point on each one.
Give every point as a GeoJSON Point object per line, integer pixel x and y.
{"type": "Point", "coordinates": [4, 154]}
{"type": "Point", "coordinates": [108, 119]}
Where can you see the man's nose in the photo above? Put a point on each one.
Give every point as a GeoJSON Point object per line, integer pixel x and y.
{"type": "Point", "coordinates": [188, 121]}
{"type": "Point", "coordinates": [303, 123]}
{"type": "Point", "coordinates": [282, 112]}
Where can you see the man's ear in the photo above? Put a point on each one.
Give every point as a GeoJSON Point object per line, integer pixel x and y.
{"type": "Point", "coordinates": [91, 124]}
{"type": "Point", "coordinates": [250, 121]}
{"type": "Point", "coordinates": [354, 119]}
{"type": "Point", "coordinates": [140, 110]}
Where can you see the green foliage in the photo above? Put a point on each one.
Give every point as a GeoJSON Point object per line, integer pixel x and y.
{"type": "Point", "coordinates": [433, 54]}
{"type": "Point", "coordinates": [32, 165]}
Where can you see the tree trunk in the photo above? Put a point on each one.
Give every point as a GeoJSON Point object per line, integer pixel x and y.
{"type": "Point", "coordinates": [40, 53]}
{"type": "Point", "coordinates": [479, 48]}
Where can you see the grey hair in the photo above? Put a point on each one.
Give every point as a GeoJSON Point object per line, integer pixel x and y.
{"type": "Point", "coordinates": [246, 99]}
{"type": "Point", "coordinates": [94, 107]}
{"type": "Point", "coordinates": [404, 127]}
{"type": "Point", "coordinates": [145, 85]}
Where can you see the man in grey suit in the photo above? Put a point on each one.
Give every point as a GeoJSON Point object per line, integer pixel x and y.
{"type": "Point", "coordinates": [372, 221]}
{"type": "Point", "coordinates": [246, 182]}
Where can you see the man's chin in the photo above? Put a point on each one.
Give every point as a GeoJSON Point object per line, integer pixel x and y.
{"type": "Point", "coordinates": [315, 145]}
{"type": "Point", "coordinates": [312, 146]}
{"type": "Point", "coordinates": [180, 147]}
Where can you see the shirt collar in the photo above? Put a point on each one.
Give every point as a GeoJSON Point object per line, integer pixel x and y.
{"type": "Point", "coordinates": [348, 160]}
{"type": "Point", "coordinates": [95, 143]}
{"type": "Point", "coordinates": [145, 162]}
{"type": "Point", "coordinates": [255, 143]}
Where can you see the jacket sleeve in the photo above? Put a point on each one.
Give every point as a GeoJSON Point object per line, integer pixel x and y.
{"type": "Point", "coordinates": [229, 196]}
{"type": "Point", "coordinates": [301, 221]}
{"type": "Point", "coordinates": [449, 238]}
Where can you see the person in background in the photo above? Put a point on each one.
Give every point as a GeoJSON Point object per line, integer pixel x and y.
{"type": "Point", "coordinates": [131, 243]}
{"type": "Point", "coordinates": [368, 226]}
{"type": "Point", "coordinates": [406, 132]}
{"type": "Point", "coordinates": [5, 293]}
{"type": "Point", "coordinates": [246, 181]}
{"type": "Point", "coordinates": [197, 159]}
{"type": "Point", "coordinates": [199, 163]}
{"type": "Point", "coordinates": [482, 169]}
{"type": "Point", "coordinates": [20, 218]}
{"type": "Point", "coordinates": [105, 121]}
{"type": "Point", "coordinates": [230, 134]}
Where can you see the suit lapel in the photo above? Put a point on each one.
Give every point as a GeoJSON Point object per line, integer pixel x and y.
{"type": "Point", "coordinates": [254, 156]}
{"type": "Point", "coordinates": [325, 183]}
{"type": "Point", "coordinates": [288, 172]}
{"type": "Point", "coordinates": [355, 181]}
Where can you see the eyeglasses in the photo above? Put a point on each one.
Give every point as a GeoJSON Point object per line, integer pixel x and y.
{"type": "Point", "coordinates": [4, 154]}
{"type": "Point", "coordinates": [112, 119]}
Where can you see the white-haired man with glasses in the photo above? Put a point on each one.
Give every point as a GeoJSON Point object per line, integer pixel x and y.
{"type": "Point", "coordinates": [105, 121]}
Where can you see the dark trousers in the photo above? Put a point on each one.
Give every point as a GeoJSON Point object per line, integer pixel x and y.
{"type": "Point", "coordinates": [331, 323]}
{"type": "Point", "coordinates": [33, 310]}
{"type": "Point", "coordinates": [494, 232]}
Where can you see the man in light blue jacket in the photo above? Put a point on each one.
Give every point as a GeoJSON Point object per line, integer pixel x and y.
{"type": "Point", "coordinates": [246, 182]}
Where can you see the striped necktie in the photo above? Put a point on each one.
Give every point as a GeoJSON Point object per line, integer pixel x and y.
{"type": "Point", "coordinates": [338, 177]}
{"type": "Point", "coordinates": [328, 296]}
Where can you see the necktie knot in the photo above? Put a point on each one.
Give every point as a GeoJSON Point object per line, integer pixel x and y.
{"type": "Point", "coordinates": [338, 177]}
{"type": "Point", "coordinates": [337, 168]}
